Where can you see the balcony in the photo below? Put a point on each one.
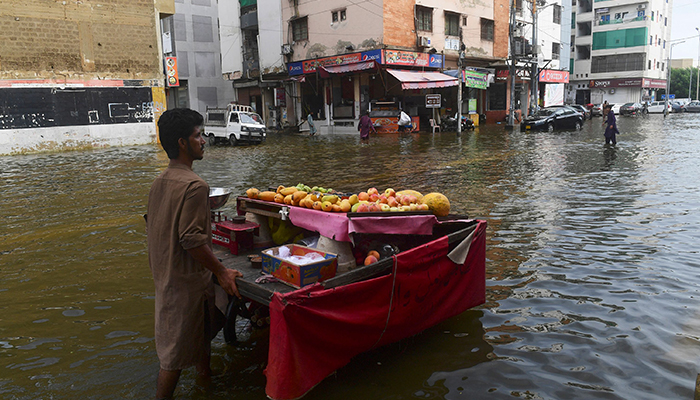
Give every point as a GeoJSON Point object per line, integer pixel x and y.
{"type": "Point", "coordinates": [249, 20]}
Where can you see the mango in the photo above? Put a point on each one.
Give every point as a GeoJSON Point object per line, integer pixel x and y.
{"type": "Point", "coordinates": [326, 206]}
{"type": "Point", "coordinates": [345, 205]}
{"type": "Point", "coordinates": [266, 196]}
{"type": "Point", "coordinates": [317, 205]}
{"type": "Point", "coordinates": [331, 199]}
{"type": "Point", "coordinates": [288, 191]}
{"type": "Point", "coordinates": [298, 196]}
{"type": "Point", "coordinates": [354, 207]}
{"type": "Point", "coordinates": [279, 188]}
{"type": "Point", "coordinates": [353, 199]}
{"type": "Point", "coordinates": [335, 208]}
{"type": "Point", "coordinates": [279, 198]}
{"type": "Point", "coordinates": [252, 193]}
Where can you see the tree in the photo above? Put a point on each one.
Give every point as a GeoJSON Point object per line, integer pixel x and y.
{"type": "Point", "coordinates": [681, 78]}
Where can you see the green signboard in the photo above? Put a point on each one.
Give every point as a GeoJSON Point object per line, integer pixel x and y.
{"type": "Point", "coordinates": [475, 79]}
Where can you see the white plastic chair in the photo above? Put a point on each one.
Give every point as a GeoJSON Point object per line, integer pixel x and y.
{"type": "Point", "coordinates": [434, 125]}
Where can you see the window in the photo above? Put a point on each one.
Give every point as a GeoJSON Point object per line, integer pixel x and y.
{"type": "Point", "coordinates": [464, 21]}
{"type": "Point", "coordinates": [618, 15]}
{"type": "Point", "coordinates": [519, 7]}
{"type": "Point", "coordinates": [338, 16]}
{"type": "Point", "coordinates": [618, 63]}
{"type": "Point", "coordinates": [233, 118]}
{"type": "Point", "coordinates": [557, 14]}
{"type": "Point", "coordinates": [665, 21]}
{"type": "Point", "coordinates": [662, 66]}
{"type": "Point", "coordinates": [555, 50]}
{"type": "Point", "coordinates": [664, 44]}
{"type": "Point", "coordinates": [425, 18]}
{"type": "Point", "coordinates": [649, 64]}
{"type": "Point", "coordinates": [343, 15]}
{"type": "Point", "coordinates": [652, 15]}
{"type": "Point", "coordinates": [604, 19]}
{"type": "Point", "coordinates": [300, 29]}
{"type": "Point", "coordinates": [487, 29]}
{"type": "Point", "coordinates": [451, 24]}
{"type": "Point", "coordinates": [651, 41]}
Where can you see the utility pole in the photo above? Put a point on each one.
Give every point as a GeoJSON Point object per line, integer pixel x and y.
{"type": "Point", "coordinates": [511, 109]}
{"type": "Point", "coordinates": [459, 91]}
{"type": "Point", "coordinates": [697, 87]}
{"type": "Point", "coordinates": [668, 77]}
{"type": "Point", "coordinates": [535, 63]}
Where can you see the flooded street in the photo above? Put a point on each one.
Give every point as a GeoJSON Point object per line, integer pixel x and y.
{"type": "Point", "coordinates": [592, 286]}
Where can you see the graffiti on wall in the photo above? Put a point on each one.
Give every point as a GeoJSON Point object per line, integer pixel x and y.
{"type": "Point", "coordinates": [47, 107]}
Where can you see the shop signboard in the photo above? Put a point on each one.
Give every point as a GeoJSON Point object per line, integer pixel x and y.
{"type": "Point", "coordinates": [472, 106]}
{"type": "Point", "coordinates": [501, 74]}
{"type": "Point", "coordinates": [171, 74]}
{"type": "Point", "coordinates": [554, 76]}
{"type": "Point", "coordinates": [309, 66]}
{"type": "Point", "coordinates": [408, 58]}
{"type": "Point", "coordinates": [280, 98]}
{"type": "Point", "coordinates": [433, 100]}
{"type": "Point", "coordinates": [473, 79]}
{"type": "Point", "coordinates": [653, 83]}
{"type": "Point", "coordinates": [612, 83]}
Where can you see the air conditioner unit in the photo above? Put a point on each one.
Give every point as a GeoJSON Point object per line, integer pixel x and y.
{"type": "Point", "coordinates": [641, 7]}
{"type": "Point", "coordinates": [287, 49]}
{"type": "Point", "coordinates": [423, 41]}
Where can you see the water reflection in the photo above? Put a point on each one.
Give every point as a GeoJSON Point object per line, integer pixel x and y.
{"type": "Point", "coordinates": [591, 262]}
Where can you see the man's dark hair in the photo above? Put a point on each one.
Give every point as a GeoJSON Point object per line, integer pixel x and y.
{"type": "Point", "coordinates": [175, 124]}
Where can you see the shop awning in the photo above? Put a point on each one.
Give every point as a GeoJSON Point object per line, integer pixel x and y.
{"type": "Point", "coordinates": [422, 79]}
{"type": "Point", "coordinates": [327, 70]}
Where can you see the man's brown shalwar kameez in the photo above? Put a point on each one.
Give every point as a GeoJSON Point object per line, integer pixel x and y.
{"type": "Point", "coordinates": [178, 220]}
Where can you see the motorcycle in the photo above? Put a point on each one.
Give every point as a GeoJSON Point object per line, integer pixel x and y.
{"type": "Point", "coordinates": [449, 124]}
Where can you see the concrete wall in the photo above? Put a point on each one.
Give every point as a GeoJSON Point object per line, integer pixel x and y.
{"type": "Point", "coordinates": [363, 27]}
{"type": "Point", "coordinates": [79, 39]}
{"type": "Point", "coordinates": [270, 33]}
{"type": "Point", "coordinates": [230, 37]}
{"type": "Point", "coordinates": [20, 141]}
{"type": "Point", "coordinates": [198, 50]}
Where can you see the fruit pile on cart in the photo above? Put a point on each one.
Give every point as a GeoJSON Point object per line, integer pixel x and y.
{"type": "Point", "coordinates": [334, 274]}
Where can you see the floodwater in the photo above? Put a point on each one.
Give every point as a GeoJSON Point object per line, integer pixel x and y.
{"type": "Point", "coordinates": [592, 286]}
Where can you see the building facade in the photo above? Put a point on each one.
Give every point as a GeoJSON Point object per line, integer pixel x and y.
{"type": "Point", "coordinates": [80, 74]}
{"type": "Point", "coordinates": [336, 59]}
{"type": "Point", "coordinates": [620, 50]}
{"type": "Point", "coordinates": [191, 36]}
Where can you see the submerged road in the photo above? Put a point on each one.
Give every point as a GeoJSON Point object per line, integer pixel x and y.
{"type": "Point", "coordinates": [592, 265]}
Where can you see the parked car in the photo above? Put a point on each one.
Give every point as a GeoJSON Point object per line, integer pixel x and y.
{"type": "Point", "coordinates": [597, 110]}
{"type": "Point", "coordinates": [616, 108]}
{"type": "Point", "coordinates": [631, 109]}
{"type": "Point", "coordinates": [583, 110]}
{"type": "Point", "coordinates": [693, 107]}
{"type": "Point", "coordinates": [657, 107]}
{"type": "Point", "coordinates": [234, 124]}
{"type": "Point", "coordinates": [677, 106]}
{"type": "Point", "coordinates": [550, 118]}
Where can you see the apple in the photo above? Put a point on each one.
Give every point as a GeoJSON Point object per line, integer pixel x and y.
{"type": "Point", "coordinates": [389, 192]}
{"type": "Point", "coordinates": [383, 199]}
{"type": "Point", "coordinates": [392, 202]}
{"type": "Point", "coordinates": [413, 207]}
{"type": "Point", "coordinates": [371, 191]}
{"type": "Point", "coordinates": [373, 197]}
{"type": "Point", "coordinates": [405, 200]}
{"type": "Point", "coordinates": [405, 208]}
{"type": "Point", "coordinates": [363, 196]}
{"type": "Point", "coordinates": [370, 260]}
{"type": "Point", "coordinates": [363, 207]}
{"type": "Point", "coordinates": [423, 207]}
{"type": "Point", "coordinates": [394, 209]}
{"type": "Point", "coordinates": [374, 207]}
{"type": "Point", "coordinates": [384, 207]}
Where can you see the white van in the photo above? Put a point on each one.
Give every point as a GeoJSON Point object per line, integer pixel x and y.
{"type": "Point", "coordinates": [658, 107]}
{"type": "Point", "coordinates": [235, 124]}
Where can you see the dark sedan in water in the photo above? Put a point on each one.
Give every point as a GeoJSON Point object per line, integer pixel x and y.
{"type": "Point", "coordinates": [551, 118]}
{"type": "Point", "coordinates": [631, 109]}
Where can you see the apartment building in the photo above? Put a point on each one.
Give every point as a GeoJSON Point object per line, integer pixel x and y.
{"type": "Point", "coordinates": [76, 74]}
{"type": "Point", "coordinates": [620, 50]}
{"type": "Point", "coordinates": [547, 51]}
{"type": "Point", "coordinates": [191, 39]}
{"type": "Point", "coordinates": [335, 59]}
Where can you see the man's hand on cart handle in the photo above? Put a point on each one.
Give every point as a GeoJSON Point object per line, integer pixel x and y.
{"type": "Point", "coordinates": [226, 277]}
{"type": "Point", "coordinates": [227, 280]}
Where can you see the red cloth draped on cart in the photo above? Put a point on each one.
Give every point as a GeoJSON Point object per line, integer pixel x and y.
{"type": "Point", "coordinates": [316, 331]}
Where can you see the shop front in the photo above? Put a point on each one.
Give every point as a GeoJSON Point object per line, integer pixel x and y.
{"type": "Point", "coordinates": [552, 86]}
{"type": "Point", "coordinates": [337, 90]}
{"type": "Point", "coordinates": [628, 89]}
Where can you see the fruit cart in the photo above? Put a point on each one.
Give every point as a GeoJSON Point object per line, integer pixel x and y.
{"type": "Point", "coordinates": [434, 270]}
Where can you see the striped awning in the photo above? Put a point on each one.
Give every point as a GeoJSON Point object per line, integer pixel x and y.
{"type": "Point", "coordinates": [328, 70]}
{"type": "Point", "coordinates": [422, 79]}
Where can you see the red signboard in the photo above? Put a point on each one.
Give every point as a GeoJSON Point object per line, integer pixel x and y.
{"type": "Point", "coordinates": [501, 74]}
{"type": "Point", "coordinates": [312, 65]}
{"type": "Point", "coordinates": [172, 77]}
{"type": "Point", "coordinates": [554, 76]}
{"type": "Point", "coordinates": [399, 57]}
{"type": "Point", "coordinates": [653, 83]}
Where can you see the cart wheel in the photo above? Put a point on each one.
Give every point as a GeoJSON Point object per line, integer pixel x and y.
{"type": "Point", "coordinates": [242, 318]}
{"type": "Point", "coordinates": [232, 140]}
{"type": "Point", "coordinates": [238, 326]}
